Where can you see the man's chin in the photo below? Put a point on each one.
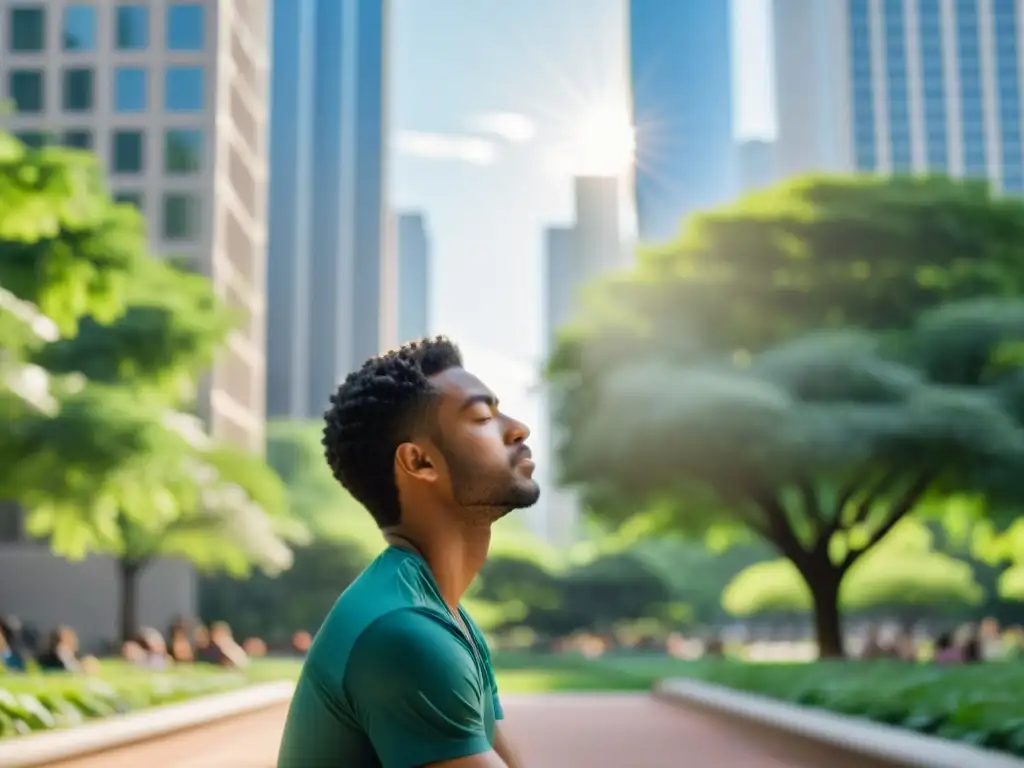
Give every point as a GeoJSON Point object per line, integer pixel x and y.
{"type": "Point", "coordinates": [527, 494]}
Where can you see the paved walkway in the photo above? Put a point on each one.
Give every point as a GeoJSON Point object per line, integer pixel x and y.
{"type": "Point", "coordinates": [553, 731]}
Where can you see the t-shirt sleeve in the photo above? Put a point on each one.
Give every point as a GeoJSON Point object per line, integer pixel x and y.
{"type": "Point", "coordinates": [413, 686]}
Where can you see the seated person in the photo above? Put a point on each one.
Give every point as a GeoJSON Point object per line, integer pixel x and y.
{"type": "Point", "coordinates": [61, 653]}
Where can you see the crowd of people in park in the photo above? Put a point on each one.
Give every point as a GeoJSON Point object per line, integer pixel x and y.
{"type": "Point", "coordinates": [185, 642]}
{"type": "Point", "coordinates": [968, 643]}
{"type": "Point", "coordinates": [189, 642]}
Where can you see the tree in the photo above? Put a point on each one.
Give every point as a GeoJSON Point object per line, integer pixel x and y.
{"type": "Point", "coordinates": [754, 407]}
{"type": "Point", "coordinates": [135, 477]}
{"type": "Point", "coordinates": [820, 446]}
{"type": "Point", "coordinates": [902, 571]}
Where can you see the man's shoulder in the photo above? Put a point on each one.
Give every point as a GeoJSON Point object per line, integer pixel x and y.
{"type": "Point", "coordinates": [393, 596]}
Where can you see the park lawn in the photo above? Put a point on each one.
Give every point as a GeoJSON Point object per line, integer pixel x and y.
{"type": "Point", "coordinates": [979, 704]}
{"type": "Point", "coordinates": [535, 673]}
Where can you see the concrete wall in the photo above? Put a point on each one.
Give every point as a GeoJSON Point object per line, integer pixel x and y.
{"type": "Point", "coordinates": [44, 591]}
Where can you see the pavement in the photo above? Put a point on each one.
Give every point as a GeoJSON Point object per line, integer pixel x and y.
{"type": "Point", "coordinates": [551, 730]}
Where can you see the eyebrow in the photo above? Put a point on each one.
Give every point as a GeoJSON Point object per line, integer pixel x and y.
{"type": "Point", "coordinates": [486, 399]}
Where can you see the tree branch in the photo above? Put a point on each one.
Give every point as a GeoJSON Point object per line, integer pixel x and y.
{"type": "Point", "coordinates": [780, 530]}
{"type": "Point", "coordinates": [812, 507]}
{"type": "Point", "coordinates": [899, 510]}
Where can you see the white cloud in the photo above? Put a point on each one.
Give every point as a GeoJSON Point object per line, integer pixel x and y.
{"type": "Point", "coordinates": [508, 126]}
{"type": "Point", "coordinates": [444, 146]}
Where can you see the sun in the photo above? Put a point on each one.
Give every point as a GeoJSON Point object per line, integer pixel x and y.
{"type": "Point", "coordinates": [601, 142]}
{"type": "Point", "coordinates": [606, 142]}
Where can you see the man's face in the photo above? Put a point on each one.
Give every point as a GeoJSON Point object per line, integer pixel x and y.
{"type": "Point", "coordinates": [489, 466]}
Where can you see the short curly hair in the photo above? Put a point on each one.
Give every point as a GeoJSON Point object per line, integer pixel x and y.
{"type": "Point", "coordinates": [376, 409]}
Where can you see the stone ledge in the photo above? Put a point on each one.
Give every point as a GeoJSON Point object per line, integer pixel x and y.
{"type": "Point", "coordinates": [883, 744]}
{"type": "Point", "coordinates": [96, 736]}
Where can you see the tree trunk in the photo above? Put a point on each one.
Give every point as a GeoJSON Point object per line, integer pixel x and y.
{"type": "Point", "coordinates": [129, 572]}
{"type": "Point", "coordinates": [828, 624]}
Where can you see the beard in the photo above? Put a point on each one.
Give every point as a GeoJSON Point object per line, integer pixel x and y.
{"type": "Point", "coordinates": [489, 496]}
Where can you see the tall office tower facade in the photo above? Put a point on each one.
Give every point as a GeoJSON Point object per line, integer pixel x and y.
{"type": "Point", "coordinates": [681, 83]}
{"type": "Point", "coordinates": [332, 283]}
{"type": "Point", "coordinates": [756, 160]}
{"type": "Point", "coordinates": [574, 256]}
{"type": "Point", "coordinates": [172, 97]}
{"type": "Point", "coordinates": [559, 513]}
{"type": "Point", "coordinates": [413, 276]}
{"type": "Point", "coordinates": [597, 243]}
{"type": "Point", "coordinates": [902, 86]}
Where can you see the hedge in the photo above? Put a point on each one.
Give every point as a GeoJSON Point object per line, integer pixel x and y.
{"type": "Point", "coordinates": [979, 704]}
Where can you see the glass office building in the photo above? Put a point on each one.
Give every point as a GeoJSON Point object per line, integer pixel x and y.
{"type": "Point", "coordinates": [681, 84]}
{"type": "Point", "coordinates": [916, 85]}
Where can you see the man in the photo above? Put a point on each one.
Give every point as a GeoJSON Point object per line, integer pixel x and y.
{"type": "Point", "coordinates": [399, 676]}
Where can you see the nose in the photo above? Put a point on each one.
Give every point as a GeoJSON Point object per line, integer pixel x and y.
{"type": "Point", "coordinates": [516, 431]}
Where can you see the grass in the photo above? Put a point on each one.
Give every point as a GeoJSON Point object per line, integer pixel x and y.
{"type": "Point", "coordinates": [526, 673]}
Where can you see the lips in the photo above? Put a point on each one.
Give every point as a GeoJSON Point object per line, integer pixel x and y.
{"type": "Point", "coordinates": [525, 454]}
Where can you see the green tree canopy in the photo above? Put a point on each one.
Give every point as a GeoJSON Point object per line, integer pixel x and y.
{"type": "Point", "coordinates": [65, 247]}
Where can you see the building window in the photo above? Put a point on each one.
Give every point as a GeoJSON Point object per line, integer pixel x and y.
{"type": "Point", "coordinates": [183, 89]}
{"type": "Point", "coordinates": [129, 154]}
{"type": "Point", "coordinates": [78, 139]}
{"type": "Point", "coordinates": [130, 89]}
{"type": "Point", "coordinates": [129, 197]}
{"type": "Point", "coordinates": [181, 216]}
{"type": "Point", "coordinates": [183, 151]}
{"type": "Point", "coordinates": [78, 90]}
{"type": "Point", "coordinates": [25, 88]}
{"type": "Point", "coordinates": [34, 139]}
{"type": "Point", "coordinates": [185, 27]}
{"type": "Point", "coordinates": [79, 28]}
{"type": "Point", "coordinates": [132, 32]}
{"type": "Point", "coordinates": [28, 29]}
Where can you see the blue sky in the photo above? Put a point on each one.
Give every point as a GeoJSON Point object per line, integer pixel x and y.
{"type": "Point", "coordinates": [489, 98]}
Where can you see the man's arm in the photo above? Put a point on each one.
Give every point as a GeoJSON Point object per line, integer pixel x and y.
{"type": "Point", "coordinates": [414, 688]}
{"type": "Point", "coordinates": [503, 746]}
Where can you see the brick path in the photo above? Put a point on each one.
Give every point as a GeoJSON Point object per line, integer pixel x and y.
{"type": "Point", "coordinates": [553, 731]}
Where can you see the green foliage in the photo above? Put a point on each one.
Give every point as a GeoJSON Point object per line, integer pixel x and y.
{"type": "Point", "coordinates": [164, 340]}
{"type": "Point", "coordinates": [976, 704]}
{"type": "Point", "coordinates": [64, 245]}
{"type": "Point", "coordinates": [41, 702]}
{"type": "Point", "coordinates": [314, 496]}
{"type": "Point", "coordinates": [275, 607]}
{"type": "Point", "coordinates": [902, 571]}
{"type": "Point", "coordinates": [601, 595]}
{"type": "Point", "coordinates": [811, 253]}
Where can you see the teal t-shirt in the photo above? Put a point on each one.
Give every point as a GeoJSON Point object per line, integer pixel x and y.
{"type": "Point", "coordinates": [391, 681]}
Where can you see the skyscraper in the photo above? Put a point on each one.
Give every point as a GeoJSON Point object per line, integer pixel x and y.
{"type": "Point", "coordinates": [172, 97]}
{"type": "Point", "coordinates": [597, 242]}
{"type": "Point", "coordinates": [559, 288]}
{"type": "Point", "coordinates": [413, 277]}
{"type": "Point", "coordinates": [756, 164]}
{"type": "Point", "coordinates": [329, 241]}
{"type": "Point", "coordinates": [902, 86]}
{"type": "Point", "coordinates": [681, 77]}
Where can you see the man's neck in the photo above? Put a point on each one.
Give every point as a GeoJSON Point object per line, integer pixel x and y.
{"type": "Point", "coordinates": [454, 556]}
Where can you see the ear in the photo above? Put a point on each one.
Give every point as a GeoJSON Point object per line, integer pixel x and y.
{"type": "Point", "coordinates": [412, 460]}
